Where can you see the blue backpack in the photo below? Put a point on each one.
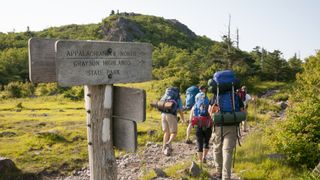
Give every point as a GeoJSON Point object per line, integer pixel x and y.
{"type": "Point", "coordinates": [201, 105]}
{"type": "Point", "coordinates": [224, 80]}
{"type": "Point", "coordinates": [226, 103]}
{"type": "Point", "coordinates": [171, 95]}
{"type": "Point", "coordinates": [191, 93]}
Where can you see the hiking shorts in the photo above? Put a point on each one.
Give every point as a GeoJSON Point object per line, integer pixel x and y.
{"type": "Point", "coordinates": [169, 122]}
{"type": "Point", "coordinates": [203, 138]}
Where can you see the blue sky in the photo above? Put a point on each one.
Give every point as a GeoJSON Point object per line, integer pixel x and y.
{"type": "Point", "coordinates": [291, 26]}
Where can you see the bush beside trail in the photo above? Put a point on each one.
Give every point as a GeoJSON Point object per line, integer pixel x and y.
{"type": "Point", "coordinates": [298, 137]}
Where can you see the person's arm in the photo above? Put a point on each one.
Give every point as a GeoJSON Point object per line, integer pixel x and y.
{"type": "Point", "coordinates": [211, 105]}
{"type": "Point", "coordinates": [181, 116]}
{"type": "Point", "coordinates": [241, 105]}
{"type": "Point", "coordinates": [181, 111]}
{"type": "Point", "coordinates": [248, 98]}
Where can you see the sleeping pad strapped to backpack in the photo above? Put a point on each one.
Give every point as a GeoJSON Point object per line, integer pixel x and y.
{"type": "Point", "coordinates": [191, 93]}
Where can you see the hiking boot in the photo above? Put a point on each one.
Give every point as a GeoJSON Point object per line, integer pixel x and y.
{"type": "Point", "coordinates": [188, 141]}
{"type": "Point", "coordinates": [167, 150]}
{"type": "Point", "coordinates": [217, 174]}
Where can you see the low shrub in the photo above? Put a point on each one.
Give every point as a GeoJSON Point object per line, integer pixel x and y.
{"type": "Point", "coordinates": [18, 89]}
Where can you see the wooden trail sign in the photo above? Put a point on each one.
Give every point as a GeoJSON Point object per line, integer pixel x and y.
{"type": "Point", "coordinates": [102, 62]}
{"type": "Point", "coordinates": [129, 104]}
{"type": "Point", "coordinates": [129, 107]}
{"type": "Point", "coordinates": [42, 65]}
{"type": "Point", "coordinates": [112, 112]}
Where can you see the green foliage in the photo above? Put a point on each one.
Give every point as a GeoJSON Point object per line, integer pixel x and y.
{"type": "Point", "coordinates": [281, 97]}
{"type": "Point", "coordinates": [14, 40]}
{"type": "Point", "coordinates": [295, 66]}
{"type": "Point", "coordinates": [73, 31]}
{"type": "Point", "coordinates": [271, 66]}
{"type": "Point", "coordinates": [13, 65]}
{"type": "Point", "coordinates": [18, 90]}
{"type": "Point", "coordinates": [74, 93]}
{"type": "Point", "coordinates": [299, 136]}
{"type": "Point", "coordinates": [49, 89]}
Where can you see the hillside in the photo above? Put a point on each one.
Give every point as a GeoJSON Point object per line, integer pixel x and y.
{"type": "Point", "coordinates": [178, 51]}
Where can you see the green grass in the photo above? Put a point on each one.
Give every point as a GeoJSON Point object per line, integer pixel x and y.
{"type": "Point", "coordinates": [252, 161]}
{"type": "Point", "coordinates": [50, 133]}
{"type": "Point", "coordinates": [261, 87]}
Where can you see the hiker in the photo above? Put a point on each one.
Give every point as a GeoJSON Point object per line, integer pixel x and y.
{"type": "Point", "coordinates": [246, 98]}
{"type": "Point", "coordinates": [169, 118]}
{"type": "Point", "coordinates": [191, 93]}
{"type": "Point", "coordinates": [227, 112]}
{"type": "Point", "coordinates": [200, 119]}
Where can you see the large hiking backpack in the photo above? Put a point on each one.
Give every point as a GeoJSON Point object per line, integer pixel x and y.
{"type": "Point", "coordinates": [223, 80]}
{"type": "Point", "coordinates": [191, 93]}
{"type": "Point", "coordinates": [169, 101]}
{"type": "Point", "coordinates": [201, 116]}
{"type": "Point", "coordinates": [201, 105]}
{"type": "Point", "coordinates": [227, 100]}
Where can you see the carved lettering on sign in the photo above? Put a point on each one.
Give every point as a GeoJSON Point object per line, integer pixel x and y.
{"type": "Point", "coordinates": [102, 62]}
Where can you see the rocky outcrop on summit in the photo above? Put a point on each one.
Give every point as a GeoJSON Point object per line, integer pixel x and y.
{"type": "Point", "coordinates": [122, 30]}
{"type": "Point", "coordinates": [123, 27]}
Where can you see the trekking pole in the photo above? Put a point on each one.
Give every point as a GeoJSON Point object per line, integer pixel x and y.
{"type": "Point", "coordinates": [234, 156]}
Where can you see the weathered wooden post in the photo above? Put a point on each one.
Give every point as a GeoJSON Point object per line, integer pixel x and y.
{"type": "Point", "coordinates": [98, 65]}
{"type": "Point", "coordinates": [98, 101]}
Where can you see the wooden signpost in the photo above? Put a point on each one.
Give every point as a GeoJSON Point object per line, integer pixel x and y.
{"type": "Point", "coordinates": [42, 65]}
{"type": "Point", "coordinates": [112, 112]}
